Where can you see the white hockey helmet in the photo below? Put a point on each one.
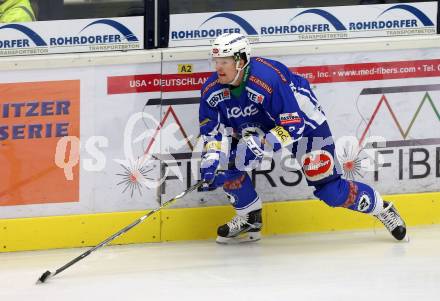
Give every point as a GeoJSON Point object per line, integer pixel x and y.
{"type": "Point", "coordinates": [232, 44]}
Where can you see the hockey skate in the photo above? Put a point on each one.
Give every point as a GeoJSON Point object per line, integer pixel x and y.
{"type": "Point", "coordinates": [393, 221]}
{"type": "Point", "coordinates": [241, 229]}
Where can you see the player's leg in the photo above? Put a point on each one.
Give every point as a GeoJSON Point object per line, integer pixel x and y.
{"type": "Point", "coordinates": [360, 197]}
{"type": "Point", "coordinates": [246, 224]}
{"type": "Point", "coordinates": [322, 170]}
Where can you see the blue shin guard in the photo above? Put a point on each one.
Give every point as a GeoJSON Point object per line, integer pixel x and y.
{"type": "Point", "coordinates": [238, 186]}
{"type": "Point", "coordinates": [353, 195]}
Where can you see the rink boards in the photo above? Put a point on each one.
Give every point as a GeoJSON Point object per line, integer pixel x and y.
{"type": "Point", "coordinates": [201, 223]}
{"type": "Point", "coordinates": [133, 115]}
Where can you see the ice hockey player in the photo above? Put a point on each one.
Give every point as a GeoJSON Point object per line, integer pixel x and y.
{"type": "Point", "coordinates": [266, 107]}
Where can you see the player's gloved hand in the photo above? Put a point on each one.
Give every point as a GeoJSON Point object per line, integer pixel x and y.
{"type": "Point", "coordinates": [208, 167]}
{"type": "Point", "coordinates": [250, 152]}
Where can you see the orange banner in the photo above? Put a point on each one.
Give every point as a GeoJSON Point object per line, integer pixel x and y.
{"type": "Point", "coordinates": [33, 117]}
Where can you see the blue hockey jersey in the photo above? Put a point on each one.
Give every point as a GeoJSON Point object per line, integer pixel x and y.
{"type": "Point", "coordinates": [273, 99]}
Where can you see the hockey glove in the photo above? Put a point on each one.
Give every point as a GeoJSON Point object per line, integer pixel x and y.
{"type": "Point", "coordinates": [250, 152]}
{"type": "Point", "coordinates": [210, 163]}
{"type": "Point", "coordinates": [208, 166]}
{"type": "Point", "coordinates": [252, 148]}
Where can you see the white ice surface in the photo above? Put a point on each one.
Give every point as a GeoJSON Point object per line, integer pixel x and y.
{"type": "Point", "coordinates": [367, 265]}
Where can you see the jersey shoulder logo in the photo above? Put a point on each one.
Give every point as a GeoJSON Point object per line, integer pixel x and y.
{"type": "Point", "coordinates": [209, 86]}
{"type": "Point", "coordinates": [261, 83]}
{"type": "Point", "coordinates": [263, 61]}
{"type": "Point", "coordinates": [254, 95]}
{"type": "Point", "coordinates": [218, 96]}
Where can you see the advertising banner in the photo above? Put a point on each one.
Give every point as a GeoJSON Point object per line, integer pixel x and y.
{"type": "Point", "coordinates": [34, 115]}
{"type": "Point", "coordinates": [66, 36]}
{"type": "Point", "coordinates": [69, 145]}
{"type": "Point", "coordinates": [383, 109]}
{"type": "Point", "coordinates": [305, 24]}
{"type": "Point", "coordinates": [139, 138]}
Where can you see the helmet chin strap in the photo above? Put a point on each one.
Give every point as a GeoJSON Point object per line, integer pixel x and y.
{"type": "Point", "coordinates": [232, 83]}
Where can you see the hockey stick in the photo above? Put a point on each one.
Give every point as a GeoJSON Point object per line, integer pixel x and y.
{"type": "Point", "coordinates": [46, 275]}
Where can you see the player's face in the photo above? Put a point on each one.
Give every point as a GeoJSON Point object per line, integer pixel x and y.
{"type": "Point", "coordinates": [225, 68]}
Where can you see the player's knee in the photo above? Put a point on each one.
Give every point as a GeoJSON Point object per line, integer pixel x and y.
{"type": "Point", "coordinates": [239, 189]}
{"type": "Point", "coordinates": [333, 193]}
{"type": "Point", "coordinates": [234, 179]}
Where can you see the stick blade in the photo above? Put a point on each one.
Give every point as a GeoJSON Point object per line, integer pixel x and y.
{"type": "Point", "coordinates": [44, 277]}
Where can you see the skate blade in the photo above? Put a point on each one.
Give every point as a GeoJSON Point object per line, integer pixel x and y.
{"type": "Point", "coordinates": [406, 238]}
{"type": "Point", "coordinates": [246, 237]}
